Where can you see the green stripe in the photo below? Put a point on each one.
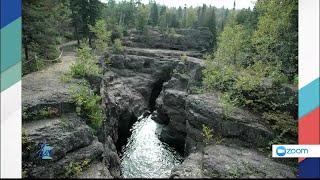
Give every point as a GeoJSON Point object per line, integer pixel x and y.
{"type": "Point", "coordinates": [10, 45]}
{"type": "Point", "coordinates": [10, 76]}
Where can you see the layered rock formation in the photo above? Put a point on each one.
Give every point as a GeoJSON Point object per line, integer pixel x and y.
{"type": "Point", "coordinates": [131, 84]}
{"type": "Point", "coordinates": [139, 82]}
{"type": "Point", "coordinates": [217, 161]}
{"type": "Point", "coordinates": [49, 117]}
{"type": "Point", "coordinates": [199, 39]}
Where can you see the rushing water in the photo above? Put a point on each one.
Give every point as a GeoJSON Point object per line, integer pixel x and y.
{"type": "Point", "coordinates": [144, 155]}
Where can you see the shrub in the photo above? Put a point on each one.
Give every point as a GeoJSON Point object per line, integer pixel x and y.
{"type": "Point", "coordinates": [25, 113]}
{"type": "Point", "coordinates": [210, 136]}
{"type": "Point", "coordinates": [88, 104]}
{"type": "Point", "coordinates": [116, 33]}
{"type": "Point", "coordinates": [24, 137]}
{"type": "Point", "coordinates": [218, 77]}
{"type": "Point", "coordinates": [227, 103]}
{"type": "Point", "coordinates": [281, 122]}
{"type": "Point", "coordinates": [207, 133]}
{"type": "Point", "coordinates": [66, 78]}
{"type": "Point", "coordinates": [102, 36]}
{"type": "Point", "coordinates": [75, 168]}
{"type": "Point", "coordinates": [184, 58]}
{"type": "Point", "coordinates": [117, 47]}
{"type": "Point", "coordinates": [48, 112]}
{"type": "Point", "coordinates": [86, 63]}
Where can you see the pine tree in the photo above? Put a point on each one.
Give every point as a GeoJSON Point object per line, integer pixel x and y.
{"type": "Point", "coordinates": [212, 26]}
{"type": "Point", "coordinates": [84, 13]}
{"type": "Point", "coordinates": [154, 14]}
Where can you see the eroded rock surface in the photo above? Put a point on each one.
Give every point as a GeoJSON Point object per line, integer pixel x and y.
{"type": "Point", "coordinates": [220, 161]}
{"type": "Point", "coordinates": [49, 117]}
{"type": "Point", "coordinates": [199, 39]}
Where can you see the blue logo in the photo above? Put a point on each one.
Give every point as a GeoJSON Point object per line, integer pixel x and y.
{"type": "Point", "coordinates": [45, 152]}
{"type": "Point", "coordinates": [281, 151]}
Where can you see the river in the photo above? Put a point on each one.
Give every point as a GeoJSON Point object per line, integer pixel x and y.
{"type": "Point", "coordinates": [144, 155]}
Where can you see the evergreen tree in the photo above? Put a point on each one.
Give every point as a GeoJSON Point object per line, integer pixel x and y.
{"type": "Point", "coordinates": [84, 13]}
{"type": "Point", "coordinates": [154, 14]}
{"type": "Point", "coordinates": [276, 37]}
{"type": "Point", "coordinates": [184, 23]}
{"type": "Point", "coordinates": [233, 41]}
{"type": "Point", "coordinates": [41, 23]}
{"type": "Point", "coordinates": [203, 15]}
{"type": "Point", "coordinates": [142, 18]}
{"type": "Point", "coordinates": [163, 10]}
{"type": "Point", "coordinates": [212, 26]}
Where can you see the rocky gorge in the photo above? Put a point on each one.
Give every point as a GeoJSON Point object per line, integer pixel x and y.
{"type": "Point", "coordinates": [148, 78]}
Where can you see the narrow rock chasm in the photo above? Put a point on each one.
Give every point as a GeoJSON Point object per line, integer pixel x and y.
{"type": "Point", "coordinates": [126, 122]}
{"type": "Point", "coordinates": [156, 90]}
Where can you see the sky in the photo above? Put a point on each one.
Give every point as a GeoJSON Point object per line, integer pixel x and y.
{"type": "Point", "coordinates": [217, 3]}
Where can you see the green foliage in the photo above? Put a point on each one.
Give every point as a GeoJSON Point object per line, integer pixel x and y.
{"type": "Point", "coordinates": [228, 104]}
{"type": "Point", "coordinates": [48, 112]}
{"type": "Point", "coordinates": [211, 137]}
{"type": "Point", "coordinates": [234, 173]}
{"type": "Point", "coordinates": [117, 32]}
{"type": "Point", "coordinates": [25, 114]}
{"type": "Point", "coordinates": [66, 78]}
{"type": "Point", "coordinates": [102, 36]}
{"type": "Point", "coordinates": [154, 14]}
{"type": "Point", "coordinates": [251, 64]}
{"type": "Point", "coordinates": [207, 133]}
{"type": "Point", "coordinates": [88, 104]}
{"type": "Point", "coordinates": [281, 122]}
{"type": "Point", "coordinates": [197, 90]}
{"type": "Point", "coordinates": [218, 77]}
{"type": "Point", "coordinates": [184, 58]}
{"type": "Point", "coordinates": [233, 43]}
{"type": "Point", "coordinates": [117, 47]}
{"type": "Point", "coordinates": [50, 19]}
{"type": "Point", "coordinates": [83, 15]}
{"type": "Point", "coordinates": [276, 37]}
{"type": "Point", "coordinates": [75, 169]}
{"type": "Point", "coordinates": [24, 137]}
{"type": "Point", "coordinates": [86, 63]}
{"type": "Point", "coordinates": [163, 23]}
{"type": "Point", "coordinates": [251, 77]}
{"type": "Point", "coordinates": [213, 27]}
{"type": "Point", "coordinates": [142, 19]}
{"type": "Point", "coordinates": [44, 113]}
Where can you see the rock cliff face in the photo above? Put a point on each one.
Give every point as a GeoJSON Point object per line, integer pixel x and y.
{"type": "Point", "coordinates": [217, 161]}
{"type": "Point", "coordinates": [139, 82]}
{"type": "Point", "coordinates": [142, 76]}
{"type": "Point", "coordinates": [130, 88]}
{"type": "Point", "coordinates": [49, 116]}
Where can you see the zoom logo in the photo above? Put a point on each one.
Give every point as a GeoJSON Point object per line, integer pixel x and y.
{"type": "Point", "coordinates": [296, 151]}
{"type": "Point", "coordinates": [281, 151]}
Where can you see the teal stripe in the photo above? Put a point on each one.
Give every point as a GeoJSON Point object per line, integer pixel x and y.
{"type": "Point", "coordinates": [10, 44]}
{"type": "Point", "coordinates": [309, 98]}
{"type": "Point", "coordinates": [11, 76]}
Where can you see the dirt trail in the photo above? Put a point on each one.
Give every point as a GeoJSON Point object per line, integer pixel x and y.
{"type": "Point", "coordinates": [46, 84]}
